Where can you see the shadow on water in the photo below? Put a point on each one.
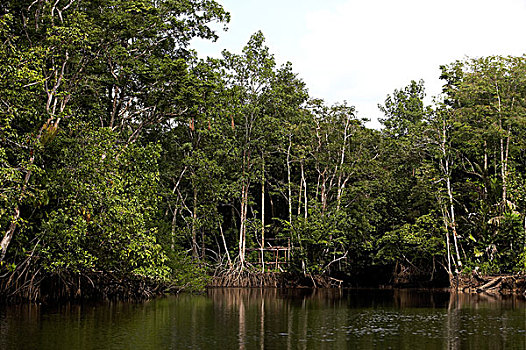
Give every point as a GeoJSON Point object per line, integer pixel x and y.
{"type": "Point", "coordinates": [275, 319]}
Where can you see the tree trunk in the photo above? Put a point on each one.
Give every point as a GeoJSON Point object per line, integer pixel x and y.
{"type": "Point", "coordinates": [341, 183]}
{"type": "Point", "coordinates": [305, 189]}
{"type": "Point", "coordinates": [224, 244]}
{"type": "Point", "coordinates": [323, 195]}
{"type": "Point", "coordinates": [449, 214]}
{"type": "Point", "coordinates": [300, 192]}
{"type": "Point", "coordinates": [452, 220]}
{"type": "Point", "coordinates": [448, 244]}
{"type": "Point", "coordinates": [174, 225]}
{"type": "Point", "coordinates": [203, 245]}
{"type": "Point", "coordinates": [10, 233]}
{"type": "Point", "coordinates": [504, 150]}
{"type": "Point", "coordinates": [505, 168]}
{"type": "Point", "coordinates": [263, 214]}
{"type": "Point", "coordinates": [453, 224]}
{"type": "Point", "coordinates": [289, 179]}
{"type": "Point", "coordinates": [241, 251]}
{"type": "Point", "coordinates": [194, 226]}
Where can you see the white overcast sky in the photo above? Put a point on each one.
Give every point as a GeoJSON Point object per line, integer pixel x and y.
{"type": "Point", "coordinates": [361, 50]}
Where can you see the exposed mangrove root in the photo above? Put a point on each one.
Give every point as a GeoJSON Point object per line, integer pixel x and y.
{"type": "Point", "coordinates": [490, 284]}
{"type": "Point", "coordinates": [255, 278]}
{"type": "Point", "coordinates": [23, 285]}
{"type": "Point", "coordinates": [246, 278]}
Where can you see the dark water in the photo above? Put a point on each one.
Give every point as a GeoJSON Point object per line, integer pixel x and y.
{"type": "Point", "coordinates": [274, 319]}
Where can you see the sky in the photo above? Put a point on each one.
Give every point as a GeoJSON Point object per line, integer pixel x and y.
{"type": "Point", "coordinates": [362, 50]}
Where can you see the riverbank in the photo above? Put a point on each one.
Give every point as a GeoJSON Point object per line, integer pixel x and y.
{"type": "Point", "coordinates": [105, 286]}
{"type": "Point", "coordinates": [54, 287]}
{"type": "Point", "coordinates": [251, 279]}
{"type": "Point", "coordinates": [472, 283]}
{"type": "Point", "coordinates": [491, 284]}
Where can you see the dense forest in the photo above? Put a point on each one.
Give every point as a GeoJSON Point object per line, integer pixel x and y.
{"type": "Point", "coordinates": [129, 165]}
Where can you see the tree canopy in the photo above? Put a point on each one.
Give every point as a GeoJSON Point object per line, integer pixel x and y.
{"type": "Point", "coordinates": [125, 157]}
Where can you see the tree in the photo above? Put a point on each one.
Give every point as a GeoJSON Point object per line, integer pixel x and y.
{"type": "Point", "coordinates": [486, 98]}
{"type": "Point", "coordinates": [109, 67]}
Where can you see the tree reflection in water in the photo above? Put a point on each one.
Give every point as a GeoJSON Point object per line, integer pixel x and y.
{"type": "Point", "coordinates": [299, 319]}
{"type": "Point", "coordinates": [275, 319]}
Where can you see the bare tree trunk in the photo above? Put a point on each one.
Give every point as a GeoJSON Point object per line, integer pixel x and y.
{"type": "Point", "coordinates": [451, 211]}
{"type": "Point", "coordinates": [263, 214]}
{"type": "Point", "coordinates": [194, 226]}
{"type": "Point", "coordinates": [323, 195]}
{"type": "Point", "coordinates": [300, 192]}
{"type": "Point", "coordinates": [447, 174]}
{"type": "Point", "coordinates": [305, 189]}
{"type": "Point", "coordinates": [453, 223]}
{"type": "Point", "coordinates": [10, 232]}
{"type": "Point", "coordinates": [289, 179]}
{"type": "Point", "coordinates": [243, 248]}
{"type": "Point", "coordinates": [448, 243]}
{"type": "Point", "coordinates": [224, 244]}
{"type": "Point", "coordinates": [203, 245]}
{"type": "Point", "coordinates": [341, 184]}
{"type": "Point", "coordinates": [485, 174]}
{"type": "Point", "coordinates": [174, 225]}
{"type": "Point", "coordinates": [243, 208]}
{"type": "Point", "coordinates": [504, 151]}
{"type": "Point", "coordinates": [505, 167]}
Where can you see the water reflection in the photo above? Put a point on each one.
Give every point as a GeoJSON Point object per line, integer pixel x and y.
{"type": "Point", "coordinates": [374, 318]}
{"type": "Point", "coordinates": [473, 318]}
{"type": "Point", "coordinates": [275, 319]}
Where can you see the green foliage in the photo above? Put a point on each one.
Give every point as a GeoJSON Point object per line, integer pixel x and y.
{"type": "Point", "coordinates": [188, 275]}
{"type": "Point", "coordinates": [121, 152]}
{"type": "Point", "coordinates": [87, 87]}
{"type": "Point", "coordinates": [103, 198]}
{"type": "Point", "coordinates": [414, 243]}
{"type": "Point", "coordinates": [319, 239]}
{"type": "Point", "coordinates": [404, 110]}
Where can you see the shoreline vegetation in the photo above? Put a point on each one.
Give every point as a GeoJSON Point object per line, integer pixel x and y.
{"type": "Point", "coordinates": [130, 167]}
{"type": "Point", "coordinates": [99, 286]}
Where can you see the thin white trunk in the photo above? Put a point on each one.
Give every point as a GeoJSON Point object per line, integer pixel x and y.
{"type": "Point", "coordinates": [504, 150]}
{"type": "Point", "coordinates": [194, 225]}
{"type": "Point", "coordinates": [447, 174]}
{"type": "Point", "coordinates": [505, 168]}
{"type": "Point", "coordinates": [452, 222]}
{"type": "Point", "coordinates": [224, 244]}
{"type": "Point", "coordinates": [174, 225]}
{"type": "Point", "coordinates": [243, 248]}
{"type": "Point", "coordinates": [448, 243]}
{"type": "Point", "coordinates": [242, 227]}
{"type": "Point", "coordinates": [263, 215]}
{"type": "Point", "coordinates": [341, 184]}
{"type": "Point", "coordinates": [289, 179]}
{"type": "Point", "coordinates": [305, 206]}
{"type": "Point", "coordinates": [300, 193]}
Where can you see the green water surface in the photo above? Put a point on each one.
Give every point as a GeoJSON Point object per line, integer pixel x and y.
{"type": "Point", "coordinates": [274, 319]}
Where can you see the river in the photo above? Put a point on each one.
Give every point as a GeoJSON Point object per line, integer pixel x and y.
{"type": "Point", "coordinates": [274, 319]}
